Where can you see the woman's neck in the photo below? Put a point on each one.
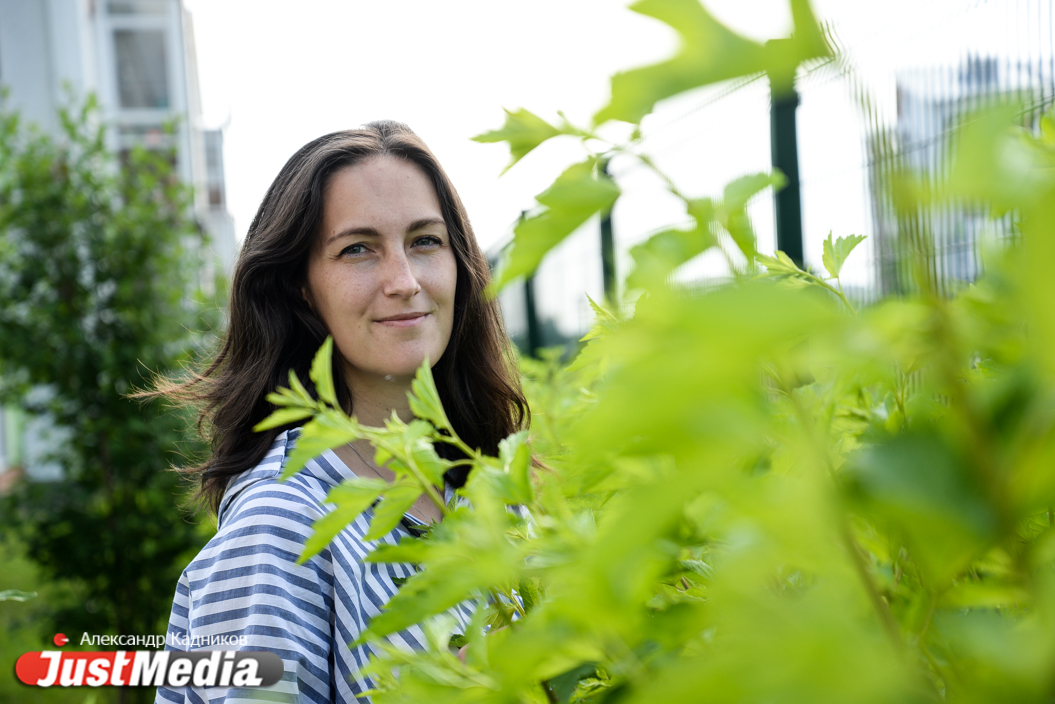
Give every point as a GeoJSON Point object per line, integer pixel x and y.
{"type": "Point", "coordinates": [374, 399]}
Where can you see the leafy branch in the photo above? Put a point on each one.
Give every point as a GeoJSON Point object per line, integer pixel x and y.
{"type": "Point", "coordinates": [835, 254]}
{"type": "Point", "coordinates": [405, 448]}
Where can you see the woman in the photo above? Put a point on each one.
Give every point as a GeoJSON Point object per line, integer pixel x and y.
{"type": "Point", "coordinates": [362, 237]}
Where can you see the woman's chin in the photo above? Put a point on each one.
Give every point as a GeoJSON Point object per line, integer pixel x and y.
{"type": "Point", "coordinates": [401, 372]}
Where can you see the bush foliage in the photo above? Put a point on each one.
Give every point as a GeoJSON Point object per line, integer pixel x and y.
{"type": "Point", "coordinates": [100, 266]}
{"type": "Point", "coordinates": [755, 494]}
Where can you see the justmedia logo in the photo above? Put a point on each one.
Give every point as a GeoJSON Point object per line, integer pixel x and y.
{"type": "Point", "coordinates": [145, 668]}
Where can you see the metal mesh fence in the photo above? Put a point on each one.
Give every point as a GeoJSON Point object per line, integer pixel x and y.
{"type": "Point", "coordinates": [904, 79]}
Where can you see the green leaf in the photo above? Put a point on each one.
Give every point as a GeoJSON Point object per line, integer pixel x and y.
{"type": "Point", "coordinates": [352, 493]}
{"type": "Point", "coordinates": [351, 498]}
{"type": "Point", "coordinates": [975, 595]}
{"type": "Point", "coordinates": [739, 191]}
{"type": "Point", "coordinates": [439, 631]}
{"type": "Point", "coordinates": [732, 213]}
{"type": "Point", "coordinates": [809, 39]}
{"type": "Point", "coordinates": [835, 254]}
{"type": "Point", "coordinates": [993, 164]}
{"type": "Point", "coordinates": [604, 320]}
{"type": "Point", "coordinates": [424, 398]}
{"type": "Point", "coordinates": [1047, 128]}
{"type": "Point", "coordinates": [924, 487]}
{"type": "Point", "coordinates": [425, 594]}
{"type": "Point", "coordinates": [283, 416]}
{"type": "Point", "coordinates": [430, 464]}
{"type": "Point", "coordinates": [415, 431]}
{"type": "Point", "coordinates": [564, 684]}
{"type": "Point", "coordinates": [298, 389]}
{"type": "Point", "coordinates": [575, 196]}
{"type": "Point", "coordinates": [496, 485]}
{"type": "Point", "coordinates": [658, 256]}
{"type": "Point", "coordinates": [523, 131]}
{"type": "Point", "coordinates": [604, 315]}
{"type": "Point", "coordinates": [702, 210]}
{"type": "Point", "coordinates": [410, 550]}
{"type": "Point", "coordinates": [15, 595]}
{"type": "Point", "coordinates": [322, 372]}
{"type": "Point", "coordinates": [396, 502]}
{"type": "Point", "coordinates": [780, 265]}
{"type": "Point", "coordinates": [710, 52]}
{"type": "Point", "coordinates": [516, 459]}
{"type": "Point", "coordinates": [529, 592]}
{"type": "Point", "coordinates": [284, 398]}
{"type": "Point", "coordinates": [320, 434]}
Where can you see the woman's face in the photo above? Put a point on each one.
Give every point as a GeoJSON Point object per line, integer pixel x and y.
{"type": "Point", "coordinates": [382, 275]}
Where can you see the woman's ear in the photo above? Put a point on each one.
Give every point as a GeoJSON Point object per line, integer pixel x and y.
{"type": "Point", "coordinates": [305, 293]}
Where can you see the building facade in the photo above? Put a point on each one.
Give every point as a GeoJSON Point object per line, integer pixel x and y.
{"type": "Point", "coordinates": [932, 104]}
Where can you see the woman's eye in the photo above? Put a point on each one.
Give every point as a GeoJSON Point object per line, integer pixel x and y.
{"type": "Point", "coordinates": [428, 241]}
{"type": "Point", "coordinates": [353, 250]}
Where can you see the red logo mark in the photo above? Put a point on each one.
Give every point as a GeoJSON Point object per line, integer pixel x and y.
{"type": "Point", "coordinates": [60, 639]}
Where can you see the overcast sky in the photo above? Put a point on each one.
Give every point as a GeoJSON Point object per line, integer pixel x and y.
{"type": "Point", "coordinates": [279, 74]}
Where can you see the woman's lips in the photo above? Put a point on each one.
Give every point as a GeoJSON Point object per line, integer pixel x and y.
{"type": "Point", "coordinates": [404, 321]}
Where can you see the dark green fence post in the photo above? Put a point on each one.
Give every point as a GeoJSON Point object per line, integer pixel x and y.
{"type": "Point", "coordinates": [607, 252]}
{"type": "Point", "coordinates": [784, 144]}
{"type": "Point", "coordinates": [534, 333]}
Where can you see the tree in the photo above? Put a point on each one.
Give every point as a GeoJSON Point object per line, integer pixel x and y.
{"type": "Point", "coordinates": [100, 263]}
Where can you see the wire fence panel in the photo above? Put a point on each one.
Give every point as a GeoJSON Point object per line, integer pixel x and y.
{"type": "Point", "coordinates": [903, 81]}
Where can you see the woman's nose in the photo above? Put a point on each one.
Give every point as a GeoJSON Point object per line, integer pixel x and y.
{"type": "Point", "coordinates": [399, 278]}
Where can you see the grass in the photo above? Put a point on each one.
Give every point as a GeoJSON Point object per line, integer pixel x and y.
{"type": "Point", "coordinates": [23, 629]}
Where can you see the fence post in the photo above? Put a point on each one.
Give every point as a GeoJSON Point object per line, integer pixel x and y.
{"type": "Point", "coordinates": [607, 251]}
{"type": "Point", "coordinates": [534, 333]}
{"type": "Point", "coordinates": [784, 145]}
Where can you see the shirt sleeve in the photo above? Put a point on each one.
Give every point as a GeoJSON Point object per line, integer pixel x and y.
{"type": "Point", "coordinates": [246, 588]}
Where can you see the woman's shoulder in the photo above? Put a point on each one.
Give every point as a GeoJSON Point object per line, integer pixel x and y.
{"type": "Point", "coordinates": [260, 495]}
{"type": "Point", "coordinates": [264, 520]}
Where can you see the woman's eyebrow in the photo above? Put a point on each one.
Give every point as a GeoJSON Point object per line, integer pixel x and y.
{"type": "Point", "coordinates": [349, 231]}
{"type": "Point", "coordinates": [373, 232]}
{"type": "Point", "coordinates": [424, 222]}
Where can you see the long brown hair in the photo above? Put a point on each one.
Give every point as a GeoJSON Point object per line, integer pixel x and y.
{"type": "Point", "coordinates": [272, 330]}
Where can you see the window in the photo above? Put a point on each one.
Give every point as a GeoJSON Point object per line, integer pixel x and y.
{"type": "Point", "coordinates": [214, 167]}
{"type": "Point", "coordinates": [142, 78]}
{"type": "Point", "coordinates": [137, 7]}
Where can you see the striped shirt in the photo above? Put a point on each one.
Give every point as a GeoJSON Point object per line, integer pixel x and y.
{"type": "Point", "coordinates": [245, 582]}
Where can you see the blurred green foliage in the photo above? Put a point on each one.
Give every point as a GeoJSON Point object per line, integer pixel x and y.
{"type": "Point", "coordinates": [754, 494]}
{"type": "Point", "coordinates": [100, 262]}
{"type": "Point", "coordinates": [21, 632]}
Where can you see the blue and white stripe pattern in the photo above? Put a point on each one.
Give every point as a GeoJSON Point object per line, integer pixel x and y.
{"type": "Point", "coordinates": [245, 582]}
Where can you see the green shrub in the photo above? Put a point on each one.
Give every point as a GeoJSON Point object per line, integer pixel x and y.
{"type": "Point", "coordinates": [99, 271]}
{"type": "Point", "coordinates": [758, 494]}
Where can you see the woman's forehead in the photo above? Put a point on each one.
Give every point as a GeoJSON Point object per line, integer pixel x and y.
{"type": "Point", "coordinates": [381, 191]}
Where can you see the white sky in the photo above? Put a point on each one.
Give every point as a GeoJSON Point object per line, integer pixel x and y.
{"type": "Point", "coordinates": [279, 74]}
{"type": "Point", "coordinates": [284, 76]}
